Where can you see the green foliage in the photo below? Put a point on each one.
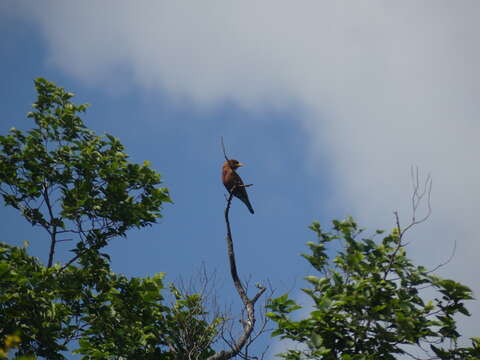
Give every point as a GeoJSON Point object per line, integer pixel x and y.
{"type": "Point", "coordinates": [27, 303]}
{"type": "Point", "coordinates": [65, 179]}
{"type": "Point", "coordinates": [12, 342]}
{"type": "Point", "coordinates": [110, 315]}
{"type": "Point", "coordinates": [368, 302]}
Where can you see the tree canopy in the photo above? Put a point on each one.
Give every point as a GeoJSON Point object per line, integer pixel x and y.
{"type": "Point", "coordinates": [65, 179]}
{"type": "Point", "coordinates": [369, 302]}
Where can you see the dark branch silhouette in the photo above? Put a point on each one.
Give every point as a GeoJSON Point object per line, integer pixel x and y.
{"type": "Point", "coordinates": [223, 149]}
{"type": "Point", "coordinates": [249, 323]}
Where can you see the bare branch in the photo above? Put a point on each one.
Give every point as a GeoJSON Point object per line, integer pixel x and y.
{"type": "Point", "coordinates": [249, 304]}
{"type": "Point", "coordinates": [452, 255]}
{"type": "Point", "coordinates": [259, 331]}
{"type": "Point", "coordinates": [63, 240]}
{"type": "Point", "coordinates": [418, 196]}
{"type": "Point", "coordinates": [223, 149]}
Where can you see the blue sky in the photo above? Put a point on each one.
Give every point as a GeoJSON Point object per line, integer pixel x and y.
{"type": "Point", "coordinates": [327, 103]}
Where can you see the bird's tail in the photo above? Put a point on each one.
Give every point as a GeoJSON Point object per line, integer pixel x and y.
{"type": "Point", "coordinates": [250, 208]}
{"type": "Point", "coordinates": [242, 195]}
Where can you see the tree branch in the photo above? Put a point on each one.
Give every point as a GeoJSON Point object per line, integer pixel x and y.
{"type": "Point", "coordinates": [223, 149]}
{"type": "Point", "coordinates": [249, 304]}
{"type": "Point", "coordinates": [53, 233]}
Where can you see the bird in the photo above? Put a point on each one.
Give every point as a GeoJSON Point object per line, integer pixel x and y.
{"type": "Point", "coordinates": [233, 182]}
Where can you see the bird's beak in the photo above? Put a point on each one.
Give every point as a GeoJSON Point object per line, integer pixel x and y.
{"type": "Point", "coordinates": [240, 164]}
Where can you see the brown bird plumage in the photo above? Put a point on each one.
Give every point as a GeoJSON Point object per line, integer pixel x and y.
{"type": "Point", "coordinates": [233, 181]}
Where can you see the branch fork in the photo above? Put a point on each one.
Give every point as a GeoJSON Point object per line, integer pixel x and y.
{"type": "Point", "coordinates": [249, 303]}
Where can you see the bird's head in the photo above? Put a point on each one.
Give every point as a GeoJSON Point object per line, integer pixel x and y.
{"type": "Point", "coordinates": [233, 164]}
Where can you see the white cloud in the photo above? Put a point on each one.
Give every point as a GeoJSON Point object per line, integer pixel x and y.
{"type": "Point", "coordinates": [386, 85]}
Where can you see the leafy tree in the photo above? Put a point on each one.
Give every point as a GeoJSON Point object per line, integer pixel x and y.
{"type": "Point", "coordinates": [70, 182]}
{"type": "Point", "coordinates": [110, 316]}
{"type": "Point", "coordinates": [368, 303]}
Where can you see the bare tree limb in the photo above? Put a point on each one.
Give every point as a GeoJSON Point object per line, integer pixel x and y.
{"type": "Point", "coordinates": [418, 195]}
{"type": "Point", "coordinates": [249, 324]}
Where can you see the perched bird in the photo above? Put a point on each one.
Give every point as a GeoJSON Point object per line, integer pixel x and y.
{"type": "Point", "coordinates": [233, 181]}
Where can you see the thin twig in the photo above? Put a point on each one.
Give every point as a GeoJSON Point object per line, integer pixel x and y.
{"type": "Point", "coordinates": [417, 197]}
{"type": "Point", "coordinates": [452, 255]}
{"type": "Point", "coordinates": [223, 149]}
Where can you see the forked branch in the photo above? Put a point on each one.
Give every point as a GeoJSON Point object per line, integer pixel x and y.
{"type": "Point", "coordinates": [249, 324]}
{"type": "Point", "coordinates": [418, 195]}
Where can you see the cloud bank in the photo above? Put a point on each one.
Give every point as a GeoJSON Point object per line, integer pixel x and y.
{"type": "Point", "coordinates": [385, 86]}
